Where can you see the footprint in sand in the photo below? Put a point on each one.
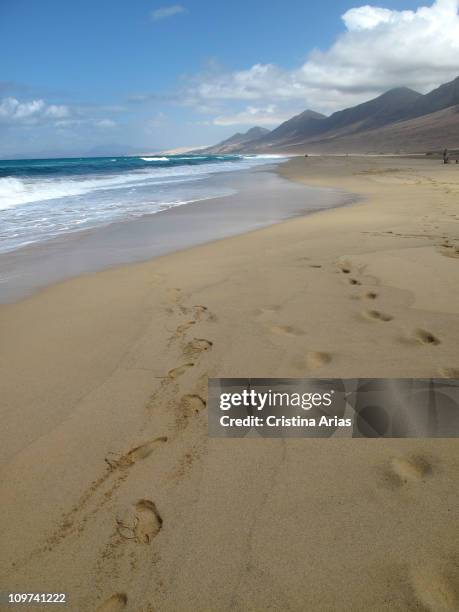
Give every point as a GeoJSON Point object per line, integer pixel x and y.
{"type": "Point", "coordinates": [202, 312]}
{"type": "Point", "coordinates": [451, 252]}
{"type": "Point", "coordinates": [354, 281]}
{"type": "Point", "coordinates": [403, 471]}
{"type": "Point", "coordinates": [181, 329]}
{"type": "Point", "coordinates": [192, 403]}
{"type": "Point", "coordinates": [425, 337]}
{"type": "Point", "coordinates": [344, 265]}
{"type": "Point", "coordinates": [315, 265]}
{"type": "Point", "coordinates": [411, 469]}
{"type": "Point", "coordinates": [197, 346]}
{"type": "Point", "coordinates": [369, 295]}
{"type": "Point", "coordinates": [176, 372]}
{"type": "Point", "coordinates": [142, 522]}
{"type": "Point", "coordinates": [318, 359]}
{"type": "Point", "coordinates": [115, 603]}
{"type": "Point", "coordinates": [449, 372]}
{"type": "Point", "coordinates": [148, 521]}
{"type": "Point", "coordinates": [287, 330]}
{"type": "Point", "coordinates": [199, 309]}
{"type": "Point", "coordinates": [135, 454]}
{"type": "Point", "coordinates": [436, 586]}
{"type": "Point", "coordinates": [174, 294]}
{"type": "Point", "coordinates": [376, 315]}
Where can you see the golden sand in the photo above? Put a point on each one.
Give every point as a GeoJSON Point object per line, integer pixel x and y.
{"type": "Point", "coordinates": [111, 489]}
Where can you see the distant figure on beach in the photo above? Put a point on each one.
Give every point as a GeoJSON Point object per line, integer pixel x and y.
{"type": "Point", "coordinates": [445, 156]}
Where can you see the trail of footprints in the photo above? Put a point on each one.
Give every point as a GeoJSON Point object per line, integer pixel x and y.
{"type": "Point", "coordinates": [118, 466]}
{"type": "Point", "coordinates": [355, 277]}
{"type": "Point", "coordinates": [435, 587]}
{"type": "Point", "coordinates": [370, 314]}
{"type": "Point", "coordinates": [145, 522]}
{"type": "Point", "coordinates": [418, 336]}
{"type": "Point", "coordinates": [142, 522]}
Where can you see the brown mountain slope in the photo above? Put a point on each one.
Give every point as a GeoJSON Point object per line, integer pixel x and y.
{"type": "Point", "coordinates": [429, 132]}
{"type": "Point", "coordinates": [386, 108]}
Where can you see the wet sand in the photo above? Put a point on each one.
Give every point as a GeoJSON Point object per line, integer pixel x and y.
{"type": "Point", "coordinates": [260, 198]}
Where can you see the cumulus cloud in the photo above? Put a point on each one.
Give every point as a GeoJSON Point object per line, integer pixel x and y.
{"type": "Point", "coordinates": [31, 112]}
{"type": "Point", "coordinates": [379, 49]}
{"type": "Point", "coordinates": [366, 17]}
{"type": "Point", "coordinates": [167, 11]}
{"type": "Point", "coordinates": [254, 115]}
{"type": "Point", "coordinates": [36, 113]}
{"type": "Point", "coordinates": [10, 108]}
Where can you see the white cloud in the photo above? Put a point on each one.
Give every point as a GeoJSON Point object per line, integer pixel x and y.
{"type": "Point", "coordinates": [36, 113]}
{"type": "Point", "coordinates": [253, 115]}
{"type": "Point", "coordinates": [32, 112]}
{"type": "Point", "coordinates": [379, 49]}
{"type": "Point", "coordinates": [57, 111]}
{"type": "Point", "coordinates": [167, 11]}
{"type": "Point", "coordinates": [366, 17]}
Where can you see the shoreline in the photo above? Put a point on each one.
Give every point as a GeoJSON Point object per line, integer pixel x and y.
{"type": "Point", "coordinates": [116, 363]}
{"type": "Point", "coordinates": [262, 198]}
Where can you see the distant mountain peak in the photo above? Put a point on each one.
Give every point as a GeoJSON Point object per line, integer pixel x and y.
{"type": "Point", "coordinates": [442, 97]}
{"type": "Point", "coordinates": [401, 90]}
{"type": "Point", "coordinates": [312, 114]}
{"type": "Point", "coordinates": [257, 131]}
{"type": "Point", "coordinates": [237, 141]}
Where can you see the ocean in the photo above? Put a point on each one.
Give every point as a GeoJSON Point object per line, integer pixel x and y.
{"type": "Point", "coordinates": [41, 199]}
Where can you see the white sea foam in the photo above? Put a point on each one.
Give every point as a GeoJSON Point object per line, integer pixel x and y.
{"type": "Point", "coordinates": [15, 191]}
{"type": "Point", "coordinates": [37, 209]}
{"type": "Point", "coordinates": [155, 158]}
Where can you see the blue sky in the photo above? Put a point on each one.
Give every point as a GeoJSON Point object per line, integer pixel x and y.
{"type": "Point", "coordinates": [152, 74]}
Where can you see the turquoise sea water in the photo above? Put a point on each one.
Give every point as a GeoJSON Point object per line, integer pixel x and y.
{"type": "Point", "coordinates": [46, 198]}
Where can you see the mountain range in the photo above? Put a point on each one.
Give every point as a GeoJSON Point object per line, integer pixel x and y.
{"type": "Point", "coordinates": [399, 121]}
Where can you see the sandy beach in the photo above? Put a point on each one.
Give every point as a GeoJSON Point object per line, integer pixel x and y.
{"type": "Point", "coordinates": [112, 491]}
